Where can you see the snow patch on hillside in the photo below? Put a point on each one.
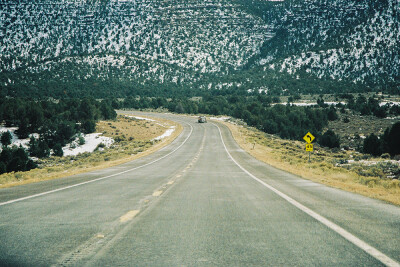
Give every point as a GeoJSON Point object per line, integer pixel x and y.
{"type": "Point", "coordinates": [72, 149]}
{"type": "Point", "coordinates": [140, 118]}
{"type": "Point", "coordinates": [91, 142]}
{"type": "Point", "coordinates": [15, 140]}
{"type": "Point", "coordinates": [166, 134]}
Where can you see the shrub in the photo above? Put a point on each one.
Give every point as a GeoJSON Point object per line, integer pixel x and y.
{"type": "Point", "coordinates": [102, 145]}
{"type": "Point", "coordinates": [39, 148]}
{"type": "Point", "coordinates": [332, 115]}
{"type": "Point", "coordinates": [57, 150]}
{"type": "Point", "coordinates": [329, 139]}
{"type": "Point", "coordinates": [372, 145]}
{"type": "Point", "coordinates": [81, 140]}
{"type": "Point", "coordinates": [15, 159]}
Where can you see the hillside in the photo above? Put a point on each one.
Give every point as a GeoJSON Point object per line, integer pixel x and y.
{"type": "Point", "coordinates": [353, 40]}
{"type": "Point", "coordinates": [118, 48]}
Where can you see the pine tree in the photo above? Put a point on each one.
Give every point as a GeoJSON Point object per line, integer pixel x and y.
{"type": "Point", "coordinates": [6, 138]}
{"type": "Point", "coordinates": [329, 139]}
{"type": "Point", "coordinates": [57, 150]}
{"type": "Point", "coordinates": [372, 145]}
{"type": "Point", "coordinates": [394, 139]}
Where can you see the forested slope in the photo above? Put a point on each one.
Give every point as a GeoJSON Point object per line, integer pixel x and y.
{"type": "Point", "coordinates": [118, 48]}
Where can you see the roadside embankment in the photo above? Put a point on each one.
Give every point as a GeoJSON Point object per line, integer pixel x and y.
{"type": "Point", "coordinates": [134, 138]}
{"type": "Point", "coordinates": [291, 156]}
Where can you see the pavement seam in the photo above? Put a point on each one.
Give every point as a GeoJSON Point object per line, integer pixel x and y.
{"type": "Point", "coordinates": [383, 258]}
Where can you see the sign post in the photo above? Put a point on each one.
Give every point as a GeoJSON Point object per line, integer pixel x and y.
{"type": "Point", "coordinates": [309, 147]}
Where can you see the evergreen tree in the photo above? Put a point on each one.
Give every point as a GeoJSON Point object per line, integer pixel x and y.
{"type": "Point", "coordinates": [23, 129]}
{"type": "Point", "coordinates": [3, 167]}
{"type": "Point", "coordinates": [179, 108]}
{"type": "Point", "coordinates": [329, 139]}
{"type": "Point", "coordinates": [43, 150]}
{"type": "Point", "coordinates": [385, 141]}
{"type": "Point", "coordinates": [107, 111]}
{"type": "Point", "coordinates": [88, 126]}
{"type": "Point", "coordinates": [15, 159]}
{"type": "Point", "coordinates": [33, 146]}
{"type": "Point", "coordinates": [6, 138]}
{"type": "Point", "coordinates": [332, 115]}
{"type": "Point", "coordinates": [57, 150]}
{"type": "Point", "coordinates": [394, 139]}
{"type": "Point", "coordinates": [372, 145]}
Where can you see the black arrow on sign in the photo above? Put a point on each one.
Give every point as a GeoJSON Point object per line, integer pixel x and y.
{"type": "Point", "coordinates": [309, 137]}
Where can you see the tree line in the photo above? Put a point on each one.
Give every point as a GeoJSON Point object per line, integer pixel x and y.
{"type": "Point", "coordinates": [287, 121]}
{"type": "Point", "coordinates": [267, 114]}
{"type": "Point", "coordinates": [370, 106]}
{"type": "Point", "coordinates": [388, 142]}
{"type": "Point", "coordinates": [55, 122]}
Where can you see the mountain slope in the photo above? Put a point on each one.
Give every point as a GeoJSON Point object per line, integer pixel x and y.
{"type": "Point", "coordinates": [353, 40]}
{"type": "Point", "coordinates": [131, 46]}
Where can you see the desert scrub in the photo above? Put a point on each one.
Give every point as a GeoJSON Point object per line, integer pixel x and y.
{"type": "Point", "coordinates": [391, 184]}
{"type": "Point", "coordinates": [331, 167]}
{"type": "Point", "coordinates": [124, 151]}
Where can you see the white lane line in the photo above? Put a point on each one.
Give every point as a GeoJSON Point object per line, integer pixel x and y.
{"type": "Point", "coordinates": [350, 237]}
{"type": "Point", "coordinates": [98, 179]}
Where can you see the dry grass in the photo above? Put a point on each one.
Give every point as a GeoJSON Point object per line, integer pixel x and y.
{"type": "Point", "coordinates": [292, 157]}
{"type": "Point", "coordinates": [125, 150]}
{"type": "Point", "coordinates": [127, 128]}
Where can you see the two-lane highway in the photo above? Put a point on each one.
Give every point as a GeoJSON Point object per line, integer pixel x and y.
{"type": "Point", "coordinates": [199, 201]}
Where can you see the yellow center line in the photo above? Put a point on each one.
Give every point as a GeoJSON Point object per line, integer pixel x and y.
{"type": "Point", "coordinates": [170, 182]}
{"type": "Point", "coordinates": [128, 216]}
{"type": "Point", "coordinates": [157, 193]}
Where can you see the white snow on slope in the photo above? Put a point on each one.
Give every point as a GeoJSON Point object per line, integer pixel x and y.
{"type": "Point", "coordinates": [91, 142]}
{"type": "Point", "coordinates": [15, 140]}
{"type": "Point", "coordinates": [140, 118]}
{"type": "Point", "coordinates": [166, 134]}
{"type": "Point", "coordinates": [220, 118]}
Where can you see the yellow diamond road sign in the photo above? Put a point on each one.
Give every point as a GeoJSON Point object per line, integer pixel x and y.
{"type": "Point", "coordinates": [309, 147]}
{"type": "Point", "coordinates": [309, 137]}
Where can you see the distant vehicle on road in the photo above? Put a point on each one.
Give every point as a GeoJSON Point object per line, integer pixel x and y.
{"type": "Point", "coordinates": [202, 119]}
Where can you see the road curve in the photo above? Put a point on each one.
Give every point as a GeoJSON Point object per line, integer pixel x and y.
{"type": "Point", "coordinates": [199, 201]}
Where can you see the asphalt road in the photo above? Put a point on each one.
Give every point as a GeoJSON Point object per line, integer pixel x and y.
{"type": "Point", "coordinates": [201, 201]}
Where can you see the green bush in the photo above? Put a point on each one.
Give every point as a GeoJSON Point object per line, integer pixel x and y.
{"type": "Point", "coordinates": [372, 145]}
{"type": "Point", "coordinates": [329, 139]}
{"type": "Point", "coordinates": [81, 140]}
{"type": "Point", "coordinates": [15, 159]}
{"type": "Point", "coordinates": [6, 138]}
{"type": "Point", "coordinates": [57, 150]}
